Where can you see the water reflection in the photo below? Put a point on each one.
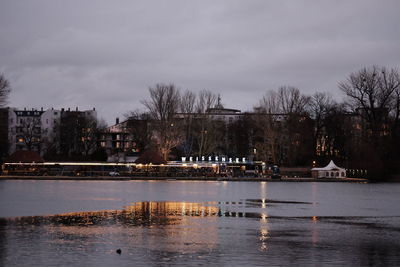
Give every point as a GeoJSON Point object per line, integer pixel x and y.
{"type": "Point", "coordinates": [136, 214]}
{"type": "Point", "coordinates": [178, 233]}
{"type": "Point", "coordinates": [164, 212]}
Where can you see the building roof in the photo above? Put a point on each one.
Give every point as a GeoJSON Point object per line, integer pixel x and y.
{"type": "Point", "coordinates": [24, 156]}
{"type": "Point", "coordinates": [27, 113]}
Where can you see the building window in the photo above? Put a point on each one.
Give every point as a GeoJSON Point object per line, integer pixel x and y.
{"type": "Point", "coordinates": [103, 144]}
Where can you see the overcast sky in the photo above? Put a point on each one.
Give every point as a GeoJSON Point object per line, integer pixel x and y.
{"type": "Point", "coordinates": [105, 54]}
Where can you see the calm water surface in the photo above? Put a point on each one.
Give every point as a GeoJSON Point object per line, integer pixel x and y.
{"type": "Point", "coordinates": [161, 223]}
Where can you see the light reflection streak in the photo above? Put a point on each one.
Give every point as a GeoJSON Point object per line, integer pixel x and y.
{"type": "Point", "coordinates": [264, 232]}
{"type": "Point", "coordinates": [314, 190]}
{"type": "Point", "coordinates": [263, 191]}
{"type": "Point", "coordinates": [263, 204]}
{"type": "Point", "coordinates": [314, 230]}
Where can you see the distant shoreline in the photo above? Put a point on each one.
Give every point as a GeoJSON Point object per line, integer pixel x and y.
{"type": "Point", "coordinates": [230, 179]}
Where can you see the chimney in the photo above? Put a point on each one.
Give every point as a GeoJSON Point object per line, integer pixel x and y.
{"type": "Point", "coordinates": [94, 109]}
{"type": "Point", "coordinates": [117, 120]}
{"type": "Point", "coordinates": [69, 109]}
{"type": "Point", "coordinates": [62, 110]}
{"type": "Point", "coordinates": [41, 109]}
{"type": "Point", "coordinates": [25, 109]}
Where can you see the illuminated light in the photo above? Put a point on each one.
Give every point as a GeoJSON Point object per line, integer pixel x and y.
{"type": "Point", "coordinates": [264, 217]}
{"type": "Point", "coordinates": [314, 219]}
{"type": "Point", "coordinates": [264, 233]}
{"type": "Point", "coordinates": [184, 165]}
{"type": "Point", "coordinates": [263, 204]}
{"type": "Point", "coordinates": [214, 165]}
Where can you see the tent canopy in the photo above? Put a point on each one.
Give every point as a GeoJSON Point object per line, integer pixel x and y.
{"type": "Point", "coordinates": [330, 167]}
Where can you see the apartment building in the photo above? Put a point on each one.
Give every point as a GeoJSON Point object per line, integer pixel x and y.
{"type": "Point", "coordinates": [33, 129]}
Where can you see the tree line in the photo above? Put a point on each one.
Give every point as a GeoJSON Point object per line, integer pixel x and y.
{"type": "Point", "coordinates": [285, 127]}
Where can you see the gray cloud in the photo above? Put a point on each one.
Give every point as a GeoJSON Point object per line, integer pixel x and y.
{"type": "Point", "coordinates": [106, 54]}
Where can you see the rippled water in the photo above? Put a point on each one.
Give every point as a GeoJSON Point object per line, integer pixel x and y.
{"type": "Point", "coordinates": [83, 223]}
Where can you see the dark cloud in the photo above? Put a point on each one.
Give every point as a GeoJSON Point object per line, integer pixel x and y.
{"type": "Point", "coordinates": [106, 54]}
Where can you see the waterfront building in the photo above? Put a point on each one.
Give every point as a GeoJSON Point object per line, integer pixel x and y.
{"type": "Point", "coordinates": [118, 140]}
{"type": "Point", "coordinates": [329, 171]}
{"type": "Point", "coordinates": [33, 129]}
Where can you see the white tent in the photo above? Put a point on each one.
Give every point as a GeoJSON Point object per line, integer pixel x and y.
{"type": "Point", "coordinates": [329, 171]}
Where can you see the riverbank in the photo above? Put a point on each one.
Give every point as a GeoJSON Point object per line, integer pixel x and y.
{"type": "Point", "coordinates": [233, 179]}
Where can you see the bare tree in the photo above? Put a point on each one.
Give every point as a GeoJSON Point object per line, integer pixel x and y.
{"type": "Point", "coordinates": [187, 108]}
{"type": "Point", "coordinates": [30, 133]}
{"type": "Point", "coordinates": [270, 103]}
{"type": "Point", "coordinates": [187, 104]}
{"type": "Point", "coordinates": [374, 91]}
{"type": "Point", "coordinates": [205, 101]}
{"type": "Point", "coordinates": [396, 111]}
{"type": "Point", "coordinates": [91, 129]}
{"type": "Point", "coordinates": [207, 129]}
{"type": "Point", "coordinates": [291, 100]}
{"type": "Point", "coordinates": [138, 123]}
{"type": "Point", "coordinates": [162, 108]}
{"type": "Point", "coordinates": [320, 105]}
{"type": "Point", "coordinates": [283, 126]}
{"type": "Point", "coordinates": [74, 137]}
{"type": "Point", "coordinates": [5, 90]}
{"type": "Point", "coordinates": [268, 121]}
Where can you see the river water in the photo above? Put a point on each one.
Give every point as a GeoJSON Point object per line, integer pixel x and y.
{"type": "Point", "coordinates": [162, 223]}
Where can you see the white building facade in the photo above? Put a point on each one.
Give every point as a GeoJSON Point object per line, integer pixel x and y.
{"type": "Point", "coordinates": [32, 129]}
